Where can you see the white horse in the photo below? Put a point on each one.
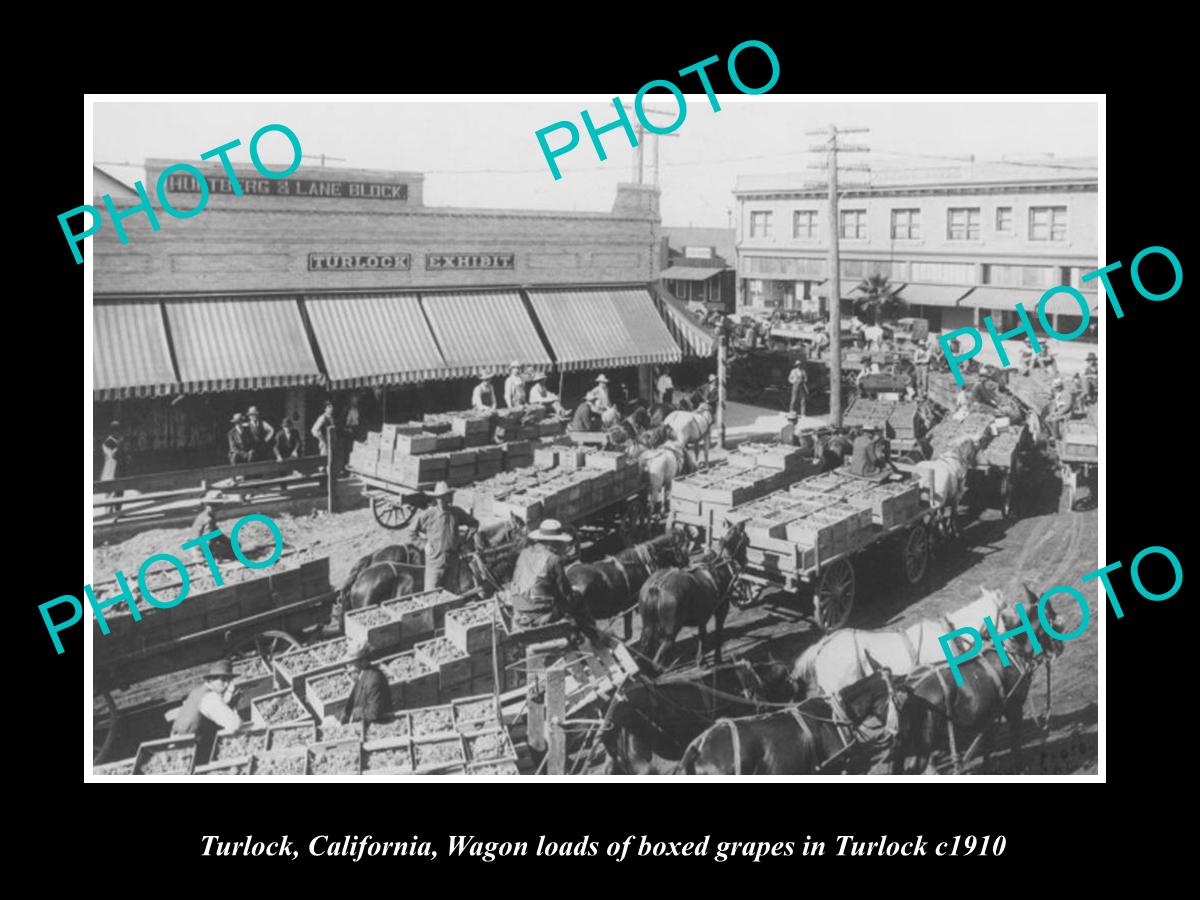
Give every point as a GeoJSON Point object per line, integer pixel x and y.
{"type": "Point", "coordinates": [946, 479]}
{"type": "Point", "coordinates": [691, 427]}
{"type": "Point", "coordinates": [661, 465]}
{"type": "Point", "coordinates": [840, 659]}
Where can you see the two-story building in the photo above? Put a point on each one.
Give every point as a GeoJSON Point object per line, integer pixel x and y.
{"type": "Point", "coordinates": [959, 242]}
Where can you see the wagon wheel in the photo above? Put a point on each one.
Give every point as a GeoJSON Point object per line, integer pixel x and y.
{"type": "Point", "coordinates": [105, 723]}
{"type": "Point", "coordinates": [834, 596]}
{"type": "Point", "coordinates": [635, 522]}
{"type": "Point", "coordinates": [266, 645]}
{"type": "Point", "coordinates": [914, 555]}
{"type": "Point", "coordinates": [391, 515]}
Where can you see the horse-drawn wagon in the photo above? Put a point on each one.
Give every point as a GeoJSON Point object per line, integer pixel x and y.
{"type": "Point", "coordinates": [807, 541]}
{"type": "Point", "coordinates": [141, 666]}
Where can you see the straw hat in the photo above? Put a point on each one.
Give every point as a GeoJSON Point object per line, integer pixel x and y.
{"type": "Point", "coordinates": [441, 489]}
{"type": "Point", "coordinates": [550, 530]}
{"type": "Point", "coordinates": [221, 669]}
{"type": "Point", "coordinates": [237, 419]}
{"type": "Point", "coordinates": [601, 378]}
{"type": "Point", "coordinates": [539, 376]}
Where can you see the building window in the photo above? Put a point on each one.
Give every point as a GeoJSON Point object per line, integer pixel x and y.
{"type": "Point", "coordinates": [854, 224]}
{"type": "Point", "coordinates": [804, 224]}
{"type": "Point", "coordinates": [906, 224]}
{"type": "Point", "coordinates": [1020, 276]}
{"type": "Point", "coordinates": [1047, 223]}
{"type": "Point", "coordinates": [962, 223]}
{"type": "Point", "coordinates": [943, 273]}
{"type": "Point", "coordinates": [1004, 222]}
{"type": "Point", "coordinates": [760, 224]}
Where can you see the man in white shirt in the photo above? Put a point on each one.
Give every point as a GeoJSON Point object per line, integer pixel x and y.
{"type": "Point", "coordinates": [208, 707]}
{"type": "Point", "coordinates": [874, 336]}
{"type": "Point", "coordinates": [539, 394]}
{"type": "Point", "coordinates": [514, 386]}
{"type": "Point", "coordinates": [483, 398]}
{"type": "Point", "coordinates": [599, 394]}
{"type": "Point", "coordinates": [663, 385]}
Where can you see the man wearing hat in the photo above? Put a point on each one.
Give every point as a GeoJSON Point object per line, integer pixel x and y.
{"type": "Point", "coordinates": [600, 393]}
{"type": "Point", "coordinates": [514, 386]}
{"type": "Point", "coordinates": [663, 385]}
{"type": "Point", "coordinates": [483, 398]}
{"type": "Point", "coordinates": [540, 394]}
{"type": "Point", "coordinates": [241, 441]}
{"type": "Point", "coordinates": [540, 593]}
{"type": "Point", "coordinates": [287, 441]}
{"type": "Point", "coordinates": [439, 523]}
{"type": "Point", "coordinates": [261, 434]}
{"type": "Point", "coordinates": [869, 456]}
{"type": "Point", "coordinates": [113, 448]}
{"type": "Point", "coordinates": [1062, 407]}
{"type": "Point", "coordinates": [208, 706]}
{"type": "Point", "coordinates": [798, 379]}
{"type": "Point", "coordinates": [709, 391]}
{"type": "Point", "coordinates": [1091, 377]}
{"type": "Point", "coordinates": [586, 416]}
{"type": "Point", "coordinates": [370, 698]}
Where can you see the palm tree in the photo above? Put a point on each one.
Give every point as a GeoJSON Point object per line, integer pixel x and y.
{"type": "Point", "coordinates": [878, 300]}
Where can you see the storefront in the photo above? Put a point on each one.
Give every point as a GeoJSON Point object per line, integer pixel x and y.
{"type": "Point", "coordinates": [353, 288]}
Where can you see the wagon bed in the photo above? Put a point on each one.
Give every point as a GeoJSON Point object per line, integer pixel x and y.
{"type": "Point", "coordinates": [828, 578]}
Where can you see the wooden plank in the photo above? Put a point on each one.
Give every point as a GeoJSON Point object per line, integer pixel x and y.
{"type": "Point", "coordinates": [556, 711]}
{"type": "Point", "coordinates": [167, 481]}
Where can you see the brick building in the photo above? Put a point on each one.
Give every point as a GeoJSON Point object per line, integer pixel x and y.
{"type": "Point", "coordinates": [343, 282]}
{"type": "Point", "coordinates": [960, 242]}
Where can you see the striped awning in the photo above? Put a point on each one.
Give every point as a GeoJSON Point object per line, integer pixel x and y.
{"type": "Point", "coordinates": [240, 344]}
{"type": "Point", "coordinates": [933, 294]}
{"type": "Point", "coordinates": [607, 327]}
{"type": "Point", "coordinates": [374, 340]}
{"type": "Point", "coordinates": [130, 353]}
{"type": "Point", "coordinates": [694, 338]}
{"type": "Point", "coordinates": [484, 329]}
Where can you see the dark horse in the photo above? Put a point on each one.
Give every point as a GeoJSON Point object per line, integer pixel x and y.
{"type": "Point", "coordinates": [673, 599]}
{"type": "Point", "coordinates": [388, 577]}
{"type": "Point", "coordinates": [800, 740]}
{"type": "Point", "coordinates": [938, 714]}
{"type": "Point", "coordinates": [830, 451]}
{"type": "Point", "coordinates": [654, 721]}
{"type": "Point", "coordinates": [608, 586]}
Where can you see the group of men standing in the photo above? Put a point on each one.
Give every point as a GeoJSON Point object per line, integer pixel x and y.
{"type": "Point", "coordinates": [253, 439]}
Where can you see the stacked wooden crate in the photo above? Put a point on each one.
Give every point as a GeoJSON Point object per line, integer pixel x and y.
{"type": "Point", "coordinates": [814, 520]}
{"type": "Point", "coordinates": [948, 432]}
{"type": "Point", "coordinates": [902, 424]}
{"type": "Point", "coordinates": [864, 412]}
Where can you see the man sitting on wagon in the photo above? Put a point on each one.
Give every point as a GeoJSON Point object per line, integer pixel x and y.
{"type": "Point", "coordinates": [540, 593]}
{"type": "Point", "coordinates": [869, 458]}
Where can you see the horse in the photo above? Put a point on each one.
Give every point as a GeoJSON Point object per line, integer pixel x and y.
{"type": "Point", "coordinates": [653, 721]}
{"type": "Point", "coordinates": [380, 581]}
{"type": "Point", "coordinates": [407, 554]}
{"type": "Point", "coordinates": [673, 599]}
{"type": "Point", "coordinates": [691, 427]}
{"type": "Point", "coordinates": [946, 479]}
{"type": "Point", "coordinates": [830, 451]}
{"type": "Point", "coordinates": [800, 740]}
{"type": "Point", "coordinates": [606, 585]}
{"type": "Point", "coordinates": [936, 712]}
{"type": "Point", "coordinates": [661, 465]}
{"type": "Point", "coordinates": [840, 659]}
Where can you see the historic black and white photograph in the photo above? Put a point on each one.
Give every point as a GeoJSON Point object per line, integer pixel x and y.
{"type": "Point", "coordinates": [516, 438]}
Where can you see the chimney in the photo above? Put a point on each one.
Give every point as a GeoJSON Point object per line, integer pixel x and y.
{"type": "Point", "coordinates": [639, 201]}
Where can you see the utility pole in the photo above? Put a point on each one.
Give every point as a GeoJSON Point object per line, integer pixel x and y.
{"type": "Point", "coordinates": [639, 156]}
{"type": "Point", "coordinates": [831, 149]}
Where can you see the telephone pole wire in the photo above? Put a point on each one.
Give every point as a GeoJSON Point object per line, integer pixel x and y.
{"type": "Point", "coordinates": [832, 148]}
